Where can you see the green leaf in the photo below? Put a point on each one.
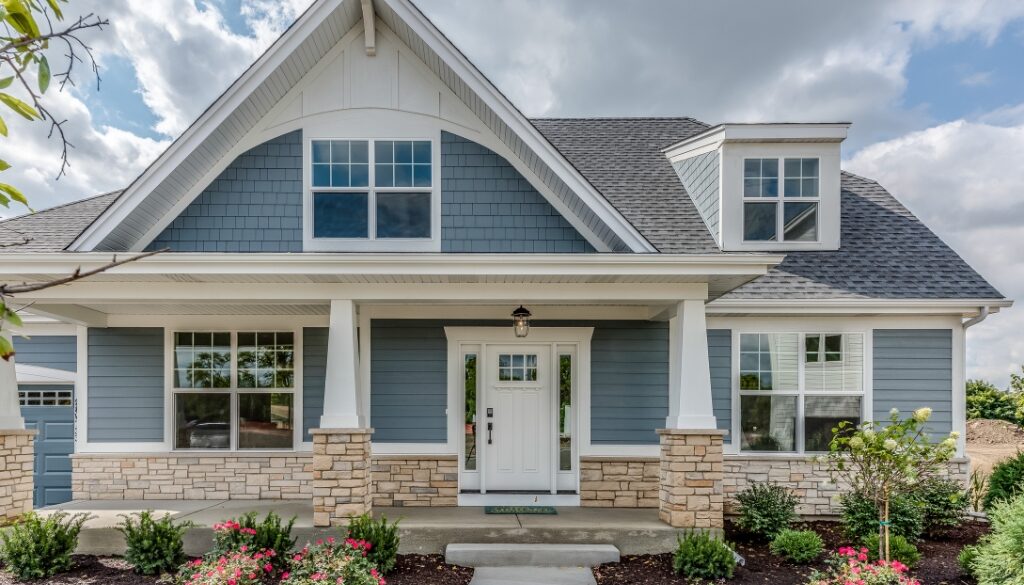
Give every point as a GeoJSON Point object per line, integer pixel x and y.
{"type": "Point", "coordinates": [13, 193]}
{"type": "Point", "coordinates": [56, 9]}
{"type": "Point", "coordinates": [12, 317]}
{"type": "Point", "coordinates": [4, 165]}
{"type": "Point", "coordinates": [26, 111]}
{"type": "Point", "coordinates": [3, 127]}
{"type": "Point", "coordinates": [20, 16]}
{"type": "Point", "coordinates": [6, 348]}
{"type": "Point", "coordinates": [6, 82]}
{"type": "Point", "coordinates": [44, 74]}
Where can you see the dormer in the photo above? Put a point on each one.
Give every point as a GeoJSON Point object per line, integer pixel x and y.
{"type": "Point", "coordinates": [765, 187]}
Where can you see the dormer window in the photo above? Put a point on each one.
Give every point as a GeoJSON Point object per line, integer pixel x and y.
{"type": "Point", "coordinates": [790, 215]}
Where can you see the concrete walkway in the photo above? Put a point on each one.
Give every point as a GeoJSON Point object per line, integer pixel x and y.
{"type": "Point", "coordinates": [423, 530]}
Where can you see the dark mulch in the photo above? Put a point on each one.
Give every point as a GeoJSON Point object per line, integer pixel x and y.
{"type": "Point", "coordinates": [938, 564]}
{"type": "Point", "coordinates": [90, 570]}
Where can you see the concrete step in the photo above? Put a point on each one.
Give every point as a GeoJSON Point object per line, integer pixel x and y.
{"type": "Point", "coordinates": [530, 555]}
{"type": "Point", "coordinates": [533, 576]}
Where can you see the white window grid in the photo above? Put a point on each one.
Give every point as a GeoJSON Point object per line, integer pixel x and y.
{"type": "Point", "coordinates": [780, 199]}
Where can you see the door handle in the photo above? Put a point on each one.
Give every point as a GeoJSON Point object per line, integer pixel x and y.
{"type": "Point", "coordinates": [490, 427]}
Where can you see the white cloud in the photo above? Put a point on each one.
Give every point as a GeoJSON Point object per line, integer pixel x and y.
{"type": "Point", "coordinates": [976, 79]}
{"type": "Point", "coordinates": [963, 179]}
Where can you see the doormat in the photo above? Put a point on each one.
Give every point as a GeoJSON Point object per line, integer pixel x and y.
{"type": "Point", "coordinates": [541, 510]}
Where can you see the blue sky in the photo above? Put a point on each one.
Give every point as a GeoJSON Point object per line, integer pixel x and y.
{"type": "Point", "coordinates": [934, 91]}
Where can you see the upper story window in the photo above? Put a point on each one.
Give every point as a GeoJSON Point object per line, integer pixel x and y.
{"type": "Point", "coordinates": [372, 189]}
{"type": "Point", "coordinates": [789, 213]}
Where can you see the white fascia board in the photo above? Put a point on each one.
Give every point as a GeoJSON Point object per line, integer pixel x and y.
{"type": "Point", "coordinates": [519, 124]}
{"type": "Point", "coordinates": [964, 307]}
{"type": "Point", "coordinates": [204, 126]}
{"type": "Point", "coordinates": [784, 132]}
{"type": "Point", "coordinates": [29, 374]}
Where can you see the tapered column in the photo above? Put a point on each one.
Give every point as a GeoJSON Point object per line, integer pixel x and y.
{"type": "Point", "coordinates": [341, 385]}
{"type": "Point", "coordinates": [690, 404]}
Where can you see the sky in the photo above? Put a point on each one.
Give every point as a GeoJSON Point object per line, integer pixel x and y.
{"type": "Point", "coordinates": [934, 90]}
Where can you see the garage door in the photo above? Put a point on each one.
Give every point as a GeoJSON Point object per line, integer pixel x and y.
{"type": "Point", "coordinates": [49, 410]}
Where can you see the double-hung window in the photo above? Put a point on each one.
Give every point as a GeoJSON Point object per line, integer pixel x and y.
{"type": "Point", "coordinates": [234, 390]}
{"type": "Point", "coordinates": [794, 388]}
{"type": "Point", "coordinates": [372, 189]}
{"type": "Point", "coordinates": [780, 207]}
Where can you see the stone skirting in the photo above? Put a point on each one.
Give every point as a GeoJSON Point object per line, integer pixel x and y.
{"type": "Point", "coordinates": [341, 475]}
{"type": "Point", "coordinates": [619, 482]}
{"type": "Point", "coordinates": [415, 480]}
{"type": "Point", "coordinates": [174, 476]}
{"type": "Point", "coordinates": [17, 451]}
{"type": "Point", "coordinates": [690, 494]}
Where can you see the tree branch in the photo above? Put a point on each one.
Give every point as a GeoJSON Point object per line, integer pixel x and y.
{"type": "Point", "coordinates": [13, 289]}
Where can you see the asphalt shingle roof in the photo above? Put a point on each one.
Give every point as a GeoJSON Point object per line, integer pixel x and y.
{"type": "Point", "coordinates": [53, 229]}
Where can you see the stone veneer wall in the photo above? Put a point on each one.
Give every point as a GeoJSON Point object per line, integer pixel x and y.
{"type": "Point", "coordinates": [163, 476]}
{"type": "Point", "coordinates": [619, 482]}
{"type": "Point", "coordinates": [341, 475]}
{"type": "Point", "coordinates": [17, 450]}
{"type": "Point", "coordinates": [691, 478]}
{"type": "Point", "coordinates": [412, 480]}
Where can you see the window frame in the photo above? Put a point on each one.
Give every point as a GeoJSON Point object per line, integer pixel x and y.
{"type": "Point", "coordinates": [234, 391]}
{"type": "Point", "coordinates": [801, 393]}
{"type": "Point", "coordinates": [371, 243]}
{"type": "Point", "coordinates": [779, 201]}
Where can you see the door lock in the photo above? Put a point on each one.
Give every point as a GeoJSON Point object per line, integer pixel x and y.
{"type": "Point", "coordinates": [490, 427]}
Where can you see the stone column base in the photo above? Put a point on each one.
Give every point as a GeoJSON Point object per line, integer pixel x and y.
{"type": "Point", "coordinates": [17, 452]}
{"type": "Point", "coordinates": [341, 475]}
{"type": "Point", "coordinates": [691, 494]}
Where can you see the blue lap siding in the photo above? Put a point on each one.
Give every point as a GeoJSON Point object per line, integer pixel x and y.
{"type": "Point", "coordinates": [314, 372]}
{"type": "Point", "coordinates": [914, 368]}
{"type": "Point", "coordinates": [59, 352]}
{"type": "Point", "coordinates": [720, 361]}
{"type": "Point", "coordinates": [126, 385]}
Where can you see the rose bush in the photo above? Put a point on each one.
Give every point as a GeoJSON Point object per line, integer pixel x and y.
{"type": "Point", "coordinates": [237, 568]}
{"type": "Point", "coordinates": [851, 566]}
{"type": "Point", "coordinates": [331, 561]}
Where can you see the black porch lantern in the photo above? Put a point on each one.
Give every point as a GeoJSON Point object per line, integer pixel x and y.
{"type": "Point", "coordinates": [521, 321]}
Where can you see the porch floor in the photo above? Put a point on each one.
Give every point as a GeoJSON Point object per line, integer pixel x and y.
{"type": "Point", "coordinates": [423, 530]}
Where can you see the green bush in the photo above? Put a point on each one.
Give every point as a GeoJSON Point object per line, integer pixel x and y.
{"type": "Point", "coordinates": [1006, 480]}
{"type": "Point", "coordinates": [860, 517]}
{"type": "Point", "coordinates": [382, 536]}
{"type": "Point", "coordinates": [328, 562]}
{"type": "Point", "coordinates": [986, 401]}
{"type": "Point", "coordinates": [269, 534]}
{"type": "Point", "coordinates": [702, 556]}
{"type": "Point", "coordinates": [900, 549]}
{"type": "Point", "coordinates": [798, 546]}
{"type": "Point", "coordinates": [765, 509]}
{"type": "Point", "coordinates": [153, 546]}
{"type": "Point", "coordinates": [966, 559]}
{"type": "Point", "coordinates": [38, 547]}
{"type": "Point", "coordinates": [1000, 555]}
{"type": "Point", "coordinates": [945, 504]}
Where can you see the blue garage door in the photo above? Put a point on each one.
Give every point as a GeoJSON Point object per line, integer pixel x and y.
{"type": "Point", "coordinates": [49, 410]}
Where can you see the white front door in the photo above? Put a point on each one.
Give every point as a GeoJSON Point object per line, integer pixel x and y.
{"type": "Point", "coordinates": [518, 430]}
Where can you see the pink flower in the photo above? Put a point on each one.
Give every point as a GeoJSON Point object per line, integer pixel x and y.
{"type": "Point", "coordinates": [285, 576]}
{"type": "Point", "coordinates": [297, 558]}
{"type": "Point", "coordinates": [862, 557]}
{"type": "Point", "coordinates": [268, 567]}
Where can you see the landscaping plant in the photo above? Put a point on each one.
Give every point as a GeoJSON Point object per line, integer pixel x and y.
{"type": "Point", "coordinates": [37, 546]}
{"type": "Point", "coordinates": [1006, 480]}
{"type": "Point", "coordinates": [702, 556]}
{"type": "Point", "coordinates": [153, 546]}
{"type": "Point", "coordinates": [977, 489]}
{"type": "Point", "coordinates": [331, 561]}
{"type": "Point", "coordinates": [765, 509]}
{"type": "Point", "coordinates": [851, 566]}
{"type": "Point", "coordinates": [900, 549]}
{"type": "Point", "coordinates": [860, 516]}
{"type": "Point", "coordinates": [382, 535]}
{"type": "Point", "coordinates": [1000, 555]}
{"type": "Point", "coordinates": [236, 568]}
{"type": "Point", "coordinates": [944, 502]}
{"type": "Point", "coordinates": [968, 555]}
{"type": "Point", "coordinates": [268, 534]}
{"type": "Point", "coordinates": [798, 546]}
{"type": "Point", "coordinates": [881, 461]}
{"type": "Point", "coordinates": [986, 401]}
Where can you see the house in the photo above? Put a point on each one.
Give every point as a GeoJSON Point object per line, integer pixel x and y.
{"type": "Point", "coordinates": [385, 286]}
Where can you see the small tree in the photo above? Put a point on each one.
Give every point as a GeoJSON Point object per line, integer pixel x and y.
{"type": "Point", "coordinates": [882, 460]}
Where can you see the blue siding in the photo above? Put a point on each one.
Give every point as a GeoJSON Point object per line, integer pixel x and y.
{"type": "Point", "coordinates": [487, 206]}
{"type": "Point", "coordinates": [59, 352]}
{"type": "Point", "coordinates": [126, 385]}
{"type": "Point", "coordinates": [720, 357]}
{"type": "Point", "coordinates": [699, 175]}
{"type": "Point", "coordinates": [255, 205]}
{"type": "Point", "coordinates": [314, 372]}
{"type": "Point", "coordinates": [914, 368]}
{"type": "Point", "coordinates": [408, 381]}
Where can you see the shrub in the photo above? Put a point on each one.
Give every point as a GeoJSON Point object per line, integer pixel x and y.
{"type": "Point", "coordinates": [1000, 555]}
{"type": "Point", "coordinates": [702, 556]}
{"type": "Point", "coordinates": [900, 549]}
{"type": "Point", "coordinates": [153, 546]}
{"type": "Point", "coordinates": [333, 562]}
{"type": "Point", "coordinates": [860, 517]}
{"type": "Point", "coordinates": [765, 509]}
{"type": "Point", "coordinates": [966, 559]}
{"type": "Point", "coordinates": [984, 400]}
{"type": "Point", "coordinates": [978, 488]}
{"type": "Point", "coordinates": [1006, 480]}
{"type": "Point", "coordinates": [268, 534]}
{"type": "Point", "coordinates": [235, 568]}
{"type": "Point", "coordinates": [383, 537]}
{"type": "Point", "coordinates": [38, 547]}
{"type": "Point", "coordinates": [852, 566]}
{"type": "Point", "coordinates": [945, 504]}
{"type": "Point", "coordinates": [799, 546]}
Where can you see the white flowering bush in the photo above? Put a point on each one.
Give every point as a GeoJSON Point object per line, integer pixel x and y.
{"type": "Point", "coordinates": [880, 461]}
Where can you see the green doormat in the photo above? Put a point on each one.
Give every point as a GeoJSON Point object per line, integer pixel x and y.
{"type": "Point", "coordinates": [543, 510]}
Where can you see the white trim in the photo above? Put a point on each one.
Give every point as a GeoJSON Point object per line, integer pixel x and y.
{"type": "Point", "coordinates": [81, 397]}
{"type": "Point", "coordinates": [559, 500]}
{"type": "Point", "coordinates": [959, 380]}
{"type": "Point", "coordinates": [797, 307]}
{"type": "Point", "coordinates": [29, 374]}
{"type": "Point", "coordinates": [771, 132]}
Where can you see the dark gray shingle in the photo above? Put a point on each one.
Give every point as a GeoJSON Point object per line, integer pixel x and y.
{"type": "Point", "coordinates": [53, 229]}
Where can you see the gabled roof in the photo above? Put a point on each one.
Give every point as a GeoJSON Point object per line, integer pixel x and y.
{"type": "Point", "coordinates": [138, 211]}
{"type": "Point", "coordinates": [53, 229]}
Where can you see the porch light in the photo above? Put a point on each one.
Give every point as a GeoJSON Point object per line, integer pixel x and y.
{"type": "Point", "coordinates": [521, 321]}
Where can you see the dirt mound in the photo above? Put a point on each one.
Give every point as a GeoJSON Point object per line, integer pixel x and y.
{"type": "Point", "coordinates": [994, 432]}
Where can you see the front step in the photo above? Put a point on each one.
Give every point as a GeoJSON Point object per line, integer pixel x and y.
{"type": "Point", "coordinates": [532, 576]}
{"type": "Point", "coordinates": [530, 555]}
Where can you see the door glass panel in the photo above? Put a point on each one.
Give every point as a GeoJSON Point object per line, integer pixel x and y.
{"type": "Point", "coordinates": [564, 412]}
{"type": "Point", "coordinates": [469, 434]}
{"type": "Point", "coordinates": [517, 367]}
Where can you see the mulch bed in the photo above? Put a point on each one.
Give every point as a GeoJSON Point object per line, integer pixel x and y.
{"type": "Point", "coordinates": [938, 564]}
{"type": "Point", "coordinates": [91, 570]}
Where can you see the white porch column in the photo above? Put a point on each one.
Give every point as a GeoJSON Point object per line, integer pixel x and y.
{"type": "Point", "coordinates": [10, 410]}
{"type": "Point", "coordinates": [341, 385]}
{"type": "Point", "coordinates": [690, 405]}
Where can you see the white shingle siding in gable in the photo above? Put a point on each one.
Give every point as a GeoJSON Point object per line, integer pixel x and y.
{"type": "Point", "coordinates": [699, 175]}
